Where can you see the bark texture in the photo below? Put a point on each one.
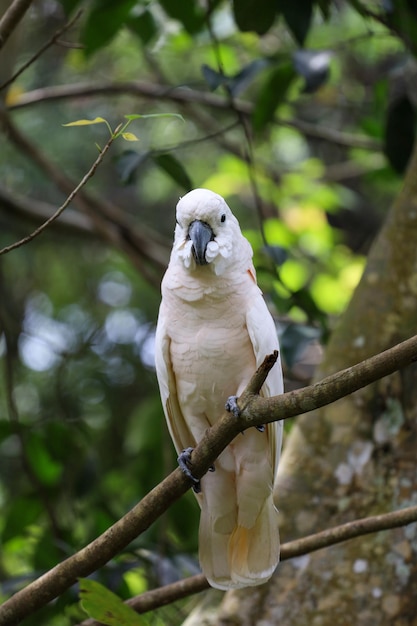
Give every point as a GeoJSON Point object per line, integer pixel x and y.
{"type": "Point", "coordinates": [354, 458]}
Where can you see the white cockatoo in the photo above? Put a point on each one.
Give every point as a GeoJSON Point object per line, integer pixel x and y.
{"type": "Point", "coordinates": [214, 330]}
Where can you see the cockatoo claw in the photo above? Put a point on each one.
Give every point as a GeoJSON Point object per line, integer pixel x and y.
{"type": "Point", "coordinates": [232, 406]}
{"type": "Point", "coordinates": [184, 460]}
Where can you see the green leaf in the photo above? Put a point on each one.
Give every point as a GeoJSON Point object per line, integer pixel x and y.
{"type": "Point", "coordinates": [70, 5]}
{"type": "Point", "coordinates": [171, 166]}
{"type": "Point", "coordinates": [401, 18]}
{"type": "Point", "coordinates": [254, 15]}
{"type": "Point", "coordinates": [137, 116]}
{"type": "Point", "coordinates": [129, 137]}
{"type": "Point", "coordinates": [187, 12]}
{"type": "Point", "coordinates": [6, 430]}
{"type": "Point", "coordinates": [144, 26]}
{"type": "Point", "coordinates": [105, 606]}
{"type": "Point", "coordinates": [47, 470]}
{"type": "Point", "coordinates": [272, 94]}
{"type": "Point", "coordinates": [21, 513]}
{"type": "Point", "coordinates": [96, 120]}
{"type": "Point", "coordinates": [298, 15]}
{"type": "Point", "coordinates": [325, 7]}
{"type": "Point", "coordinates": [400, 131]}
{"type": "Point", "coordinates": [127, 164]}
{"type": "Point", "coordinates": [104, 20]}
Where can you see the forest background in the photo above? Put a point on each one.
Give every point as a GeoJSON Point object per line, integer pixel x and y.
{"type": "Point", "coordinates": [302, 115]}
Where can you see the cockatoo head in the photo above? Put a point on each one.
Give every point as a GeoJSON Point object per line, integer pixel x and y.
{"type": "Point", "coordinates": [207, 232]}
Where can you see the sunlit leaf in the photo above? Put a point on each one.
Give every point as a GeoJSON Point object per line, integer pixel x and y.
{"type": "Point", "coordinates": [106, 607]}
{"type": "Point", "coordinates": [129, 137]}
{"type": "Point", "coordinates": [96, 120]}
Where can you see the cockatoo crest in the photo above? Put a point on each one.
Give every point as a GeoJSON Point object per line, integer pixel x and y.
{"type": "Point", "coordinates": [223, 233]}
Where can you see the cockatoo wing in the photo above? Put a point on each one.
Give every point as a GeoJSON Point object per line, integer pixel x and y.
{"type": "Point", "coordinates": [177, 426]}
{"type": "Point", "coordinates": [263, 335]}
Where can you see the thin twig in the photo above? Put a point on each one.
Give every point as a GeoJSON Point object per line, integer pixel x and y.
{"type": "Point", "coordinates": [42, 49]}
{"type": "Point", "coordinates": [63, 206]}
{"type": "Point", "coordinates": [156, 598]}
{"type": "Point", "coordinates": [109, 220]}
{"type": "Point", "coordinates": [93, 556]}
{"type": "Point", "coordinates": [11, 19]}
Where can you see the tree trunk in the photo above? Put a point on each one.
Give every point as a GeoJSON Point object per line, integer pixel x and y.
{"type": "Point", "coordinates": [352, 459]}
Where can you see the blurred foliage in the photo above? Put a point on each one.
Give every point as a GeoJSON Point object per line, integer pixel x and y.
{"type": "Point", "coordinates": [301, 113]}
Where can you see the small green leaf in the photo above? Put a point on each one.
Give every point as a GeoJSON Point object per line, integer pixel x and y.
{"type": "Point", "coordinates": [137, 116]}
{"type": "Point", "coordinates": [171, 166]}
{"type": "Point", "coordinates": [106, 607]}
{"type": "Point", "coordinates": [129, 137]}
{"type": "Point", "coordinates": [96, 120]}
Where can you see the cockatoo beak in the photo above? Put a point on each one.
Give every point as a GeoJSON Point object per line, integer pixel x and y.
{"type": "Point", "coordinates": [200, 234]}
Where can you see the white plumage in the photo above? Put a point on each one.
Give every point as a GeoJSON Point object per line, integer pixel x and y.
{"type": "Point", "coordinates": [214, 330]}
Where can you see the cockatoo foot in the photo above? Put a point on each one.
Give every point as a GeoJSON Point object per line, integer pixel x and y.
{"type": "Point", "coordinates": [184, 460]}
{"type": "Point", "coordinates": [232, 406]}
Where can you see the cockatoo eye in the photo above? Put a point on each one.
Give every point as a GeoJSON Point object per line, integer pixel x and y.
{"type": "Point", "coordinates": [223, 217]}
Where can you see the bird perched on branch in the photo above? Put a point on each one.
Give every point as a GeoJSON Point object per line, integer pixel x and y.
{"type": "Point", "coordinates": [214, 330]}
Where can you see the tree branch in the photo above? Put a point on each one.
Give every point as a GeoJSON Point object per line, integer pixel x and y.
{"type": "Point", "coordinates": [190, 96]}
{"type": "Point", "coordinates": [156, 598]}
{"type": "Point", "coordinates": [63, 206]}
{"type": "Point", "coordinates": [256, 411]}
{"type": "Point", "coordinates": [42, 49]}
{"type": "Point", "coordinates": [11, 19]}
{"type": "Point", "coordinates": [16, 205]}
